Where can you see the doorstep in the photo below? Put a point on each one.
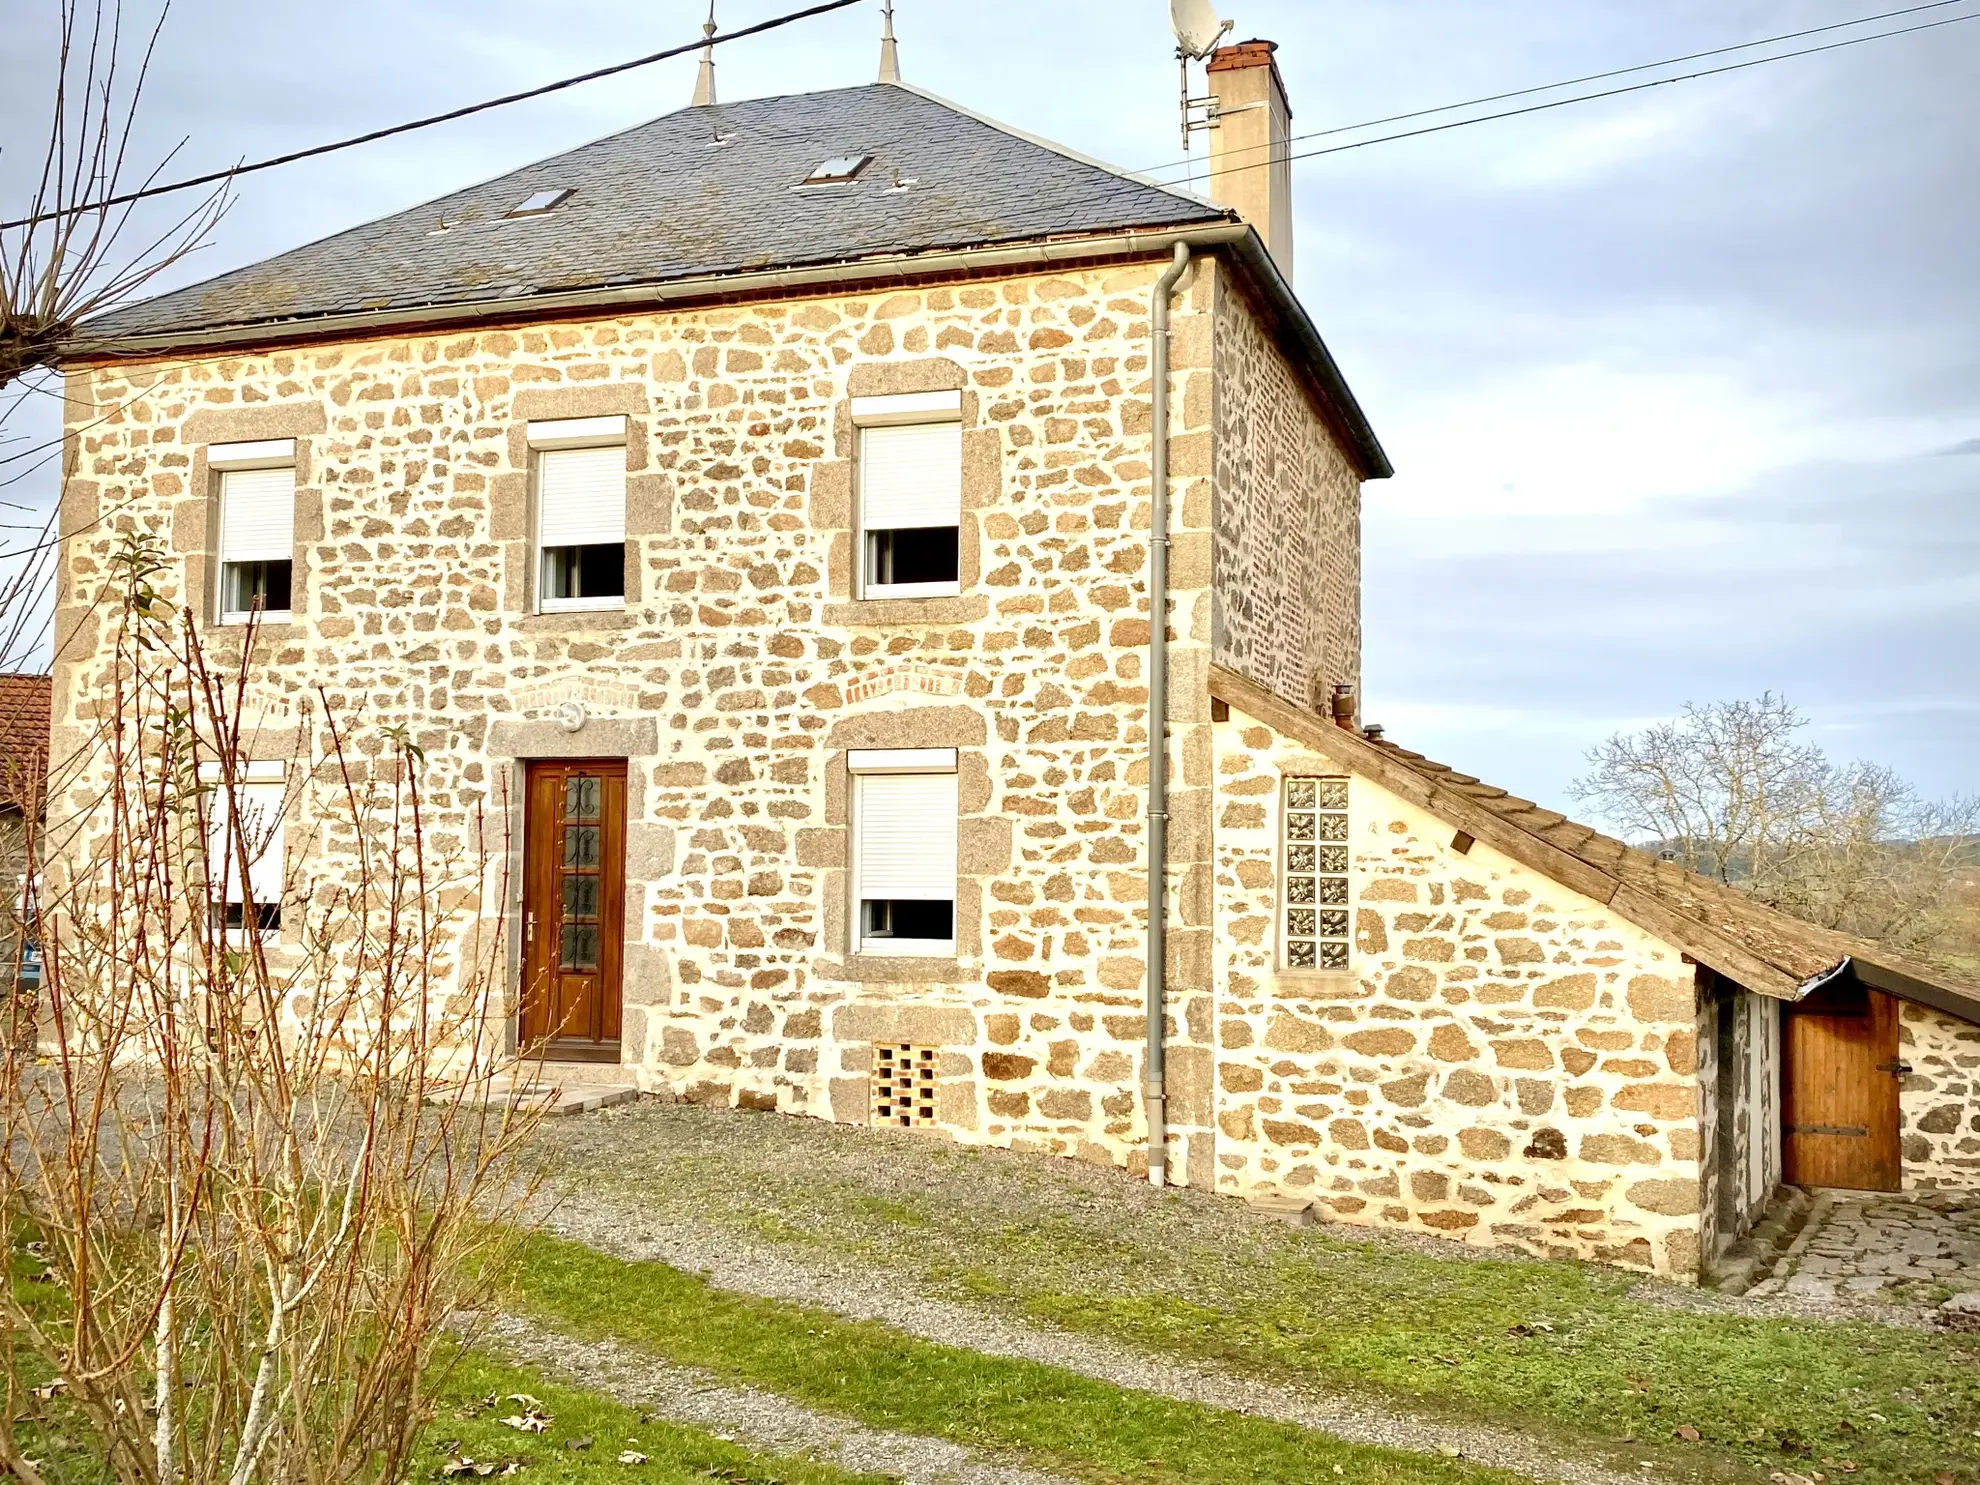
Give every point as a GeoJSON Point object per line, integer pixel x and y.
{"type": "Point", "coordinates": [557, 1089]}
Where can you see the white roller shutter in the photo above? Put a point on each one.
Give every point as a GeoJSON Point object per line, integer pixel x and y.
{"type": "Point", "coordinates": [262, 795]}
{"type": "Point", "coordinates": [907, 837]}
{"type": "Point", "coordinates": [910, 476]}
{"type": "Point", "coordinates": [582, 496]}
{"type": "Point", "coordinates": [258, 515]}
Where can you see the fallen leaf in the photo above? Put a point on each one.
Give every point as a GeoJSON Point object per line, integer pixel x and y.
{"type": "Point", "coordinates": [631, 1456]}
{"type": "Point", "coordinates": [529, 1404]}
{"type": "Point", "coordinates": [461, 1464]}
{"type": "Point", "coordinates": [583, 1441]}
{"type": "Point", "coordinates": [527, 1422]}
{"type": "Point", "coordinates": [1689, 1434]}
{"type": "Point", "coordinates": [1944, 1477]}
{"type": "Point", "coordinates": [1527, 1328]}
{"type": "Point", "coordinates": [53, 1389]}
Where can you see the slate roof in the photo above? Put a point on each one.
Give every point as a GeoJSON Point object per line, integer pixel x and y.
{"type": "Point", "coordinates": [1766, 951]}
{"type": "Point", "coordinates": [25, 701]}
{"type": "Point", "coordinates": [665, 201]}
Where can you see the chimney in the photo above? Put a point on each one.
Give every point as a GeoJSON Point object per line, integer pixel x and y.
{"type": "Point", "coordinates": [1249, 171]}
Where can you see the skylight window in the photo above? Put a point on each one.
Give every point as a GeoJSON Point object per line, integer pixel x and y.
{"type": "Point", "coordinates": [838, 169]}
{"type": "Point", "coordinates": [536, 203]}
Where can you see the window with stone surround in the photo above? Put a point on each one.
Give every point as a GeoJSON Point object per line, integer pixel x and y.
{"type": "Point", "coordinates": [903, 1085]}
{"type": "Point", "coordinates": [1313, 872]}
{"type": "Point", "coordinates": [904, 850]}
{"type": "Point", "coordinates": [245, 821]}
{"type": "Point", "coordinates": [257, 528]}
{"type": "Point", "coordinates": [580, 513]}
{"type": "Point", "coordinates": [910, 494]}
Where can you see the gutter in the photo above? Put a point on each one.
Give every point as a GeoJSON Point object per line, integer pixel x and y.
{"type": "Point", "coordinates": [1286, 316]}
{"type": "Point", "coordinates": [1153, 1075]}
{"type": "Point", "coordinates": [700, 288]}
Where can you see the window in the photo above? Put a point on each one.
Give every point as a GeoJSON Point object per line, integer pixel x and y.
{"type": "Point", "coordinates": [257, 527]}
{"type": "Point", "coordinates": [910, 494]}
{"type": "Point", "coordinates": [903, 1084]}
{"type": "Point", "coordinates": [580, 513]}
{"type": "Point", "coordinates": [1315, 873]}
{"type": "Point", "coordinates": [837, 170]}
{"type": "Point", "coordinates": [537, 203]}
{"type": "Point", "coordinates": [256, 827]}
{"type": "Point", "coordinates": [904, 850]}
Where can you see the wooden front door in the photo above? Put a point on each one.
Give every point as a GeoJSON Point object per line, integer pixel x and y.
{"type": "Point", "coordinates": [1839, 1100]}
{"type": "Point", "coordinates": [574, 904]}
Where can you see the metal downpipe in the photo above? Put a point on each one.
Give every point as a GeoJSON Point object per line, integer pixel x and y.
{"type": "Point", "coordinates": [1153, 1092]}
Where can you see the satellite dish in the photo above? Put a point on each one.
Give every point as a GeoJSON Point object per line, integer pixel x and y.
{"type": "Point", "coordinates": [1197, 28]}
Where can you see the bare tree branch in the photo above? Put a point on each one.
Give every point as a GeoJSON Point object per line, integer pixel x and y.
{"type": "Point", "coordinates": [69, 260]}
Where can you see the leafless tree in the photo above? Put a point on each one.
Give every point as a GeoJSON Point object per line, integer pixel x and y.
{"type": "Point", "coordinates": [73, 256]}
{"type": "Point", "coordinates": [264, 1153]}
{"type": "Point", "coordinates": [1735, 790]}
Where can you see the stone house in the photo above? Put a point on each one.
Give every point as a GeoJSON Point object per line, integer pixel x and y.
{"type": "Point", "coordinates": [759, 514]}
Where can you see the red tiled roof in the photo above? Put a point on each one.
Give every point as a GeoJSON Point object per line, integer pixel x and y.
{"type": "Point", "coordinates": [25, 701]}
{"type": "Point", "coordinates": [1763, 949]}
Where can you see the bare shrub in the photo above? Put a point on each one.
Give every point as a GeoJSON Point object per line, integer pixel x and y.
{"type": "Point", "coordinates": [262, 1158]}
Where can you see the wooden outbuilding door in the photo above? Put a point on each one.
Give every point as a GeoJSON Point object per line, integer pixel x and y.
{"type": "Point", "coordinates": [574, 905]}
{"type": "Point", "coordinates": [1839, 1100]}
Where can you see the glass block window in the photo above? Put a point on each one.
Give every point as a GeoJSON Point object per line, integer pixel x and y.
{"type": "Point", "coordinates": [1314, 925]}
{"type": "Point", "coordinates": [903, 1081]}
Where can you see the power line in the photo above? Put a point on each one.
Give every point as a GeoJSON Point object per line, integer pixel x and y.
{"type": "Point", "coordinates": [1511, 113]}
{"type": "Point", "coordinates": [1575, 82]}
{"type": "Point", "coordinates": [213, 176]}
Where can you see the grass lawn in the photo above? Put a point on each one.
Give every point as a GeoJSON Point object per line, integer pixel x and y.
{"type": "Point", "coordinates": [582, 1443]}
{"type": "Point", "coordinates": [585, 1438]}
{"type": "Point", "coordinates": [1056, 1419]}
{"type": "Point", "coordinates": [1562, 1349]}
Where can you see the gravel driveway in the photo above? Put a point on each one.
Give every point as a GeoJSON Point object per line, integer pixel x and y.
{"type": "Point", "coordinates": [651, 1182]}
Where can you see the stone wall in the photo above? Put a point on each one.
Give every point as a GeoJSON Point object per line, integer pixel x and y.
{"type": "Point", "coordinates": [1940, 1099]}
{"type": "Point", "coordinates": [1507, 1063]}
{"type": "Point", "coordinates": [744, 666]}
{"type": "Point", "coordinates": [1286, 564]}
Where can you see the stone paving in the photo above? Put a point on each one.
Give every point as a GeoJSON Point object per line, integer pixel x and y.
{"type": "Point", "coordinates": [1913, 1248]}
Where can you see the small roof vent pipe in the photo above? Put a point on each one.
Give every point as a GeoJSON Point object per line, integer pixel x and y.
{"type": "Point", "coordinates": [1343, 705]}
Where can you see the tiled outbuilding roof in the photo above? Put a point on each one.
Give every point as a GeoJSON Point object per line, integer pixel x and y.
{"type": "Point", "coordinates": [1767, 951]}
{"type": "Point", "coordinates": [708, 190]}
{"type": "Point", "coordinates": [24, 714]}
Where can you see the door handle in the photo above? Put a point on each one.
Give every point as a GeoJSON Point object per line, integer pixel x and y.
{"type": "Point", "coordinates": [1895, 1068]}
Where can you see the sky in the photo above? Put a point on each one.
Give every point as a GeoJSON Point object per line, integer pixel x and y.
{"type": "Point", "coordinates": [1682, 388]}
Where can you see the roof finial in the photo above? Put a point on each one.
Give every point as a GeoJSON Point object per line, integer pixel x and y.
{"type": "Point", "coordinates": [704, 80]}
{"type": "Point", "coordinates": [890, 57]}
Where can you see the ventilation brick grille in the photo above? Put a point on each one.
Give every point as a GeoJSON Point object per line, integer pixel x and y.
{"type": "Point", "coordinates": [903, 1085]}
